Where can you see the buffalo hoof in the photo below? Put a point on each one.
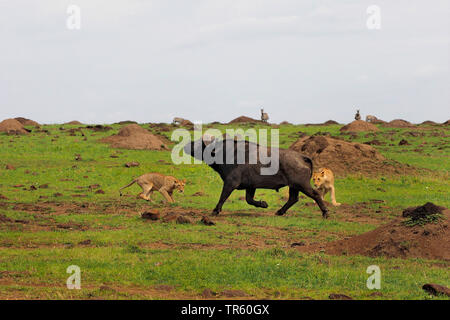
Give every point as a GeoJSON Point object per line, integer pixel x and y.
{"type": "Point", "coordinates": [279, 213]}
{"type": "Point", "coordinates": [264, 204]}
{"type": "Point", "coordinates": [215, 212]}
{"type": "Point", "coordinates": [325, 215]}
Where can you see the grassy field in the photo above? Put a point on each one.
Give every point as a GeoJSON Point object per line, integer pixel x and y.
{"type": "Point", "coordinates": [50, 219]}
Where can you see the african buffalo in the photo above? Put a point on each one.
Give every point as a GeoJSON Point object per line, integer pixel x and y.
{"type": "Point", "coordinates": [293, 169]}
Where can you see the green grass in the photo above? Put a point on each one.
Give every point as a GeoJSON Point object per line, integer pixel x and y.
{"type": "Point", "coordinates": [248, 249]}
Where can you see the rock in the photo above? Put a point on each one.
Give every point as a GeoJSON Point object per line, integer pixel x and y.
{"type": "Point", "coordinates": [184, 220]}
{"type": "Point", "coordinates": [208, 293]}
{"type": "Point", "coordinates": [150, 215]}
{"type": "Point", "coordinates": [234, 293]}
{"type": "Point", "coordinates": [339, 296]}
{"type": "Point", "coordinates": [207, 221]}
{"type": "Point", "coordinates": [10, 167]}
{"type": "Point", "coordinates": [106, 288]}
{"type": "Point", "coordinates": [375, 142]}
{"type": "Point", "coordinates": [2, 197]}
{"type": "Point", "coordinates": [100, 191]}
{"type": "Point", "coordinates": [170, 217]}
{"type": "Point", "coordinates": [132, 164]}
{"type": "Point", "coordinates": [403, 142]}
{"type": "Point", "coordinates": [297, 244]}
{"type": "Point", "coordinates": [85, 242]}
{"type": "Point", "coordinates": [165, 287]}
{"type": "Point", "coordinates": [436, 289]}
{"type": "Point", "coordinates": [43, 186]}
{"type": "Point", "coordinates": [376, 294]}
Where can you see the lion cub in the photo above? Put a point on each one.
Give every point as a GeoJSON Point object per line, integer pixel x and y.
{"type": "Point", "coordinates": [324, 182]}
{"type": "Point", "coordinates": [150, 182]}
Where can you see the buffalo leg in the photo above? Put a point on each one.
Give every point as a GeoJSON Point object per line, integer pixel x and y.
{"type": "Point", "coordinates": [226, 192]}
{"type": "Point", "coordinates": [316, 196]}
{"type": "Point", "coordinates": [293, 198]}
{"type": "Point", "coordinates": [249, 197]}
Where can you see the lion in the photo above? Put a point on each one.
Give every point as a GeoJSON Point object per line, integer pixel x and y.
{"type": "Point", "coordinates": [324, 182]}
{"type": "Point", "coordinates": [150, 182]}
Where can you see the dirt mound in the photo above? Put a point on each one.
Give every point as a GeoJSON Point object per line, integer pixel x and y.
{"type": "Point", "coordinates": [345, 157]}
{"type": "Point", "coordinates": [135, 137]}
{"type": "Point", "coordinates": [377, 121]}
{"type": "Point", "coordinates": [446, 123]}
{"type": "Point", "coordinates": [126, 122]}
{"type": "Point", "coordinates": [359, 126]}
{"type": "Point", "coordinates": [429, 123]}
{"type": "Point", "coordinates": [326, 123]}
{"type": "Point", "coordinates": [398, 123]}
{"type": "Point", "coordinates": [12, 126]}
{"type": "Point", "coordinates": [396, 240]}
{"type": "Point", "coordinates": [27, 122]}
{"type": "Point", "coordinates": [244, 119]}
{"type": "Point", "coordinates": [421, 212]}
{"type": "Point", "coordinates": [285, 123]}
{"type": "Point", "coordinates": [74, 122]}
{"type": "Point", "coordinates": [186, 123]}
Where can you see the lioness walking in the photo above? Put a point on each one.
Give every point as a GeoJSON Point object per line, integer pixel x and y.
{"type": "Point", "coordinates": [324, 182]}
{"type": "Point", "coordinates": [150, 182]}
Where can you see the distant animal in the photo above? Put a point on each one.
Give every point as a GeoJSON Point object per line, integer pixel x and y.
{"type": "Point", "coordinates": [357, 115]}
{"type": "Point", "coordinates": [324, 182]}
{"type": "Point", "coordinates": [370, 118]}
{"type": "Point", "coordinates": [150, 182]}
{"type": "Point", "coordinates": [264, 116]}
{"type": "Point", "coordinates": [294, 170]}
{"type": "Point", "coordinates": [181, 121]}
{"type": "Point", "coordinates": [177, 120]}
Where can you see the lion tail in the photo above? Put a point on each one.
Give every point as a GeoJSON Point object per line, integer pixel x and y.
{"type": "Point", "coordinates": [131, 183]}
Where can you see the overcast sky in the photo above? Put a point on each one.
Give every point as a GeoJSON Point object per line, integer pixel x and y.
{"type": "Point", "coordinates": [214, 60]}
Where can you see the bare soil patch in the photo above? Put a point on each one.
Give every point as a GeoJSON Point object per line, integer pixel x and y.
{"type": "Point", "coordinates": [135, 137]}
